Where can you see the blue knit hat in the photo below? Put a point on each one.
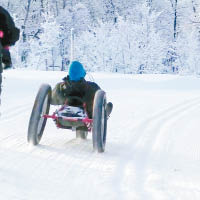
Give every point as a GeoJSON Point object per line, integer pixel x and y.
{"type": "Point", "coordinates": [76, 71]}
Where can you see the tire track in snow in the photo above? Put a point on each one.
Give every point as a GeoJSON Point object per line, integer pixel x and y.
{"type": "Point", "coordinates": [14, 112]}
{"type": "Point", "coordinates": [70, 163]}
{"type": "Point", "coordinates": [58, 152]}
{"type": "Point", "coordinates": [150, 132]}
{"type": "Point", "coordinates": [77, 163]}
{"type": "Point", "coordinates": [138, 148]}
{"type": "Point", "coordinates": [164, 115]}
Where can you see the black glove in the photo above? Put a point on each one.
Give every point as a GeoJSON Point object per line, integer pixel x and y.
{"type": "Point", "coordinates": [7, 67]}
{"type": "Point", "coordinates": [6, 59]}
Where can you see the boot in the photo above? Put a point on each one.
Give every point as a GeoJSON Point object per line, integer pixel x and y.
{"type": "Point", "coordinates": [109, 108]}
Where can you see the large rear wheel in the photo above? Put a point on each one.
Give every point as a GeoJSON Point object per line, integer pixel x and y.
{"type": "Point", "coordinates": [41, 107]}
{"type": "Point", "coordinates": [99, 129]}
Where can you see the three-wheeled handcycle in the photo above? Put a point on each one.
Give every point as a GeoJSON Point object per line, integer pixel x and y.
{"type": "Point", "coordinates": [70, 117]}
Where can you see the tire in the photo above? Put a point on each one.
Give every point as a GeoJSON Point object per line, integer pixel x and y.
{"type": "Point", "coordinates": [37, 122]}
{"type": "Point", "coordinates": [99, 129]}
{"type": "Point", "coordinates": [81, 134]}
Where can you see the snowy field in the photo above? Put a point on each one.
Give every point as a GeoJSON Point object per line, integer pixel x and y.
{"type": "Point", "coordinates": [152, 150]}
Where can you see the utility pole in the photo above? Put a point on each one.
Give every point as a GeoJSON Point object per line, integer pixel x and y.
{"type": "Point", "coordinates": [174, 4]}
{"type": "Point", "coordinates": [175, 20]}
{"type": "Point", "coordinates": [72, 45]}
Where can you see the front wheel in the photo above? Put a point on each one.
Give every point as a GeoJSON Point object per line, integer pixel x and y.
{"type": "Point", "coordinates": [81, 134]}
{"type": "Point", "coordinates": [99, 129]}
{"type": "Point", "coordinates": [37, 121]}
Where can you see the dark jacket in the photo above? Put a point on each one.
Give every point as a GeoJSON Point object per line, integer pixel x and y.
{"type": "Point", "coordinates": [84, 89]}
{"type": "Point", "coordinates": [7, 25]}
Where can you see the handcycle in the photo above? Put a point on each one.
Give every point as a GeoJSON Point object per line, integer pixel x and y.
{"type": "Point", "coordinates": [70, 117]}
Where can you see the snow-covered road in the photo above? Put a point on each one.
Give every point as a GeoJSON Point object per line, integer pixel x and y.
{"type": "Point", "coordinates": [152, 150]}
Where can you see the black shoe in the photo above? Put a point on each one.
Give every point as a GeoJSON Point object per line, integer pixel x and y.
{"type": "Point", "coordinates": [109, 108]}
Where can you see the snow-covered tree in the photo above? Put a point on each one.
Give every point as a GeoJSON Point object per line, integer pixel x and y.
{"type": "Point", "coordinates": [44, 52]}
{"type": "Point", "coordinates": [151, 35]}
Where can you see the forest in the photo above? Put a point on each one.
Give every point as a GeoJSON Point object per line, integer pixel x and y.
{"type": "Point", "coordinates": [125, 36]}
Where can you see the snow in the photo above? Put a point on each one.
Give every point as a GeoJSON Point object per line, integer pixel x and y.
{"type": "Point", "coordinates": [152, 150]}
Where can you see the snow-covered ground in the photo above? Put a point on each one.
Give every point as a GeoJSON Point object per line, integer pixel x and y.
{"type": "Point", "coordinates": [152, 150]}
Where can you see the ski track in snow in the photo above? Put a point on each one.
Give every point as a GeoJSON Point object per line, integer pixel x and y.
{"type": "Point", "coordinates": [152, 149]}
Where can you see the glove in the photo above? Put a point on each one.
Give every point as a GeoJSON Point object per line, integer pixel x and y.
{"type": "Point", "coordinates": [7, 67]}
{"type": "Point", "coordinates": [6, 59]}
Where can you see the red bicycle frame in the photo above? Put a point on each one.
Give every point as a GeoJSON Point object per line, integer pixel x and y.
{"type": "Point", "coordinates": [87, 121]}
